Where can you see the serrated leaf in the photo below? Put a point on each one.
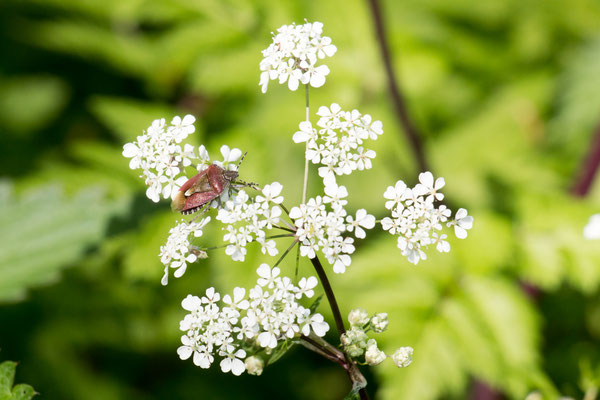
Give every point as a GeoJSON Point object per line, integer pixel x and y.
{"type": "Point", "coordinates": [7, 377]}
{"type": "Point", "coordinates": [43, 231]}
{"type": "Point", "coordinates": [460, 324]}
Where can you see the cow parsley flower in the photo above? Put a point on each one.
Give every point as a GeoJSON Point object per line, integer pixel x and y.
{"type": "Point", "coordinates": [592, 229]}
{"type": "Point", "coordinates": [239, 326]}
{"type": "Point", "coordinates": [247, 220]}
{"type": "Point", "coordinates": [294, 54]}
{"type": "Point", "coordinates": [338, 145]}
{"type": "Point", "coordinates": [417, 220]}
{"type": "Point", "coordinates": [158, 152]}
{"type": "Point", "coordinates": [176, 253]}
{"type": "Point", "coordinates": [321, 226]}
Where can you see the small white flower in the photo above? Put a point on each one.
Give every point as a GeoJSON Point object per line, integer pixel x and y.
{"type": "Point", "coordinates": [592, 229]}
{"type": "Point", "coordinates": [306, 286]}
{"type": "Point", "coordinates": [374, 356]}
{"type": "Point", "coordinates": [267, 275]}
{"type": "Point", "coordinates": [358, 317]}
{"type": "Point", "coordinates": [403, 357]}
{"type": "Point", "coordinates": [233, 361]}
{"type": "Point", "coordinates": [362, 220]}
{"type": "Point", "coordinates": [428, 187]}
{"type": "Point", "coordinates": [462, 222]}
{"type": "Point", "coordinates": [379, 322]}
{"type": "Point", "coordinates": [230, 156]}
{"type": "Point", "coordinates": [254, 365]}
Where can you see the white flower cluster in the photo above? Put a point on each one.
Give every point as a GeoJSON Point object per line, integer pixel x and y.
{"type": "Point", "coordinates": [592, 230]}
{"type": "Point", "coordinates": [269, 315]}
{"type": "Point", "coordinates": [255, 217]}
{"type": "Point", "coordinates": [357, 343]}
{"type": "Point", "coordinates": [158, 153]}
{"type": "Point", "coordinates": [321, 229]}
{"type": "Point", "coordinates": [293, 56]}
{"type": "Point", "coordinates": [338, 146]}
{"type": "Point", "coordinates": [416, 219]}
{"type": "Point", "coordinates": [176, 252]}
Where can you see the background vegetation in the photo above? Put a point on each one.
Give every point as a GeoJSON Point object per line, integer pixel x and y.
{"type": "Point", "coordinates": [506, 92]}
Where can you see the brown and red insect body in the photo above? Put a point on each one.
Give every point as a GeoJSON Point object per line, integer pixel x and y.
{"type": "Point", "coordinates": [203, 188]}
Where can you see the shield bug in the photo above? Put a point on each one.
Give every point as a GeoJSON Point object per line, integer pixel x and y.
{"type": "Point", "coordinates": [203, 188]}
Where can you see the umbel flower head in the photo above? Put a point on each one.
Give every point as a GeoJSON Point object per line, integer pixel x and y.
{"type": "Point", "coordinates": [294, 54]}
{"type": "Point", "coordinates": [417, 219]}
{"type": "Point", "coordinates": [323, 224]}
{"type": "Point", "coordinates": [338, 145]}
{"type": "Point", "coordinates": [246, 324]}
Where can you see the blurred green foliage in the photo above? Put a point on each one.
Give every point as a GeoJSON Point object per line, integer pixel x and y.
{"type": "Point", "coordinates": [506, 92]}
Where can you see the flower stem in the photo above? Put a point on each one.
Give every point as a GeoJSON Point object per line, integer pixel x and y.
{"type": "Point", "coordinates": [286, 253]}
{"type": "Point", "coordinates": [318, 347]}
{"type": "Point", "coordinates": [410, 129]}
{"type": "Point", "coordinates": [306, 159]}
{"type": "Point", "coordinates": [356, 377]}
{"type": "Point", "coordinates": [337, 316]}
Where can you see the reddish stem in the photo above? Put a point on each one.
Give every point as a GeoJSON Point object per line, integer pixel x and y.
{"type": "Point", "coordinates": [588, 169]}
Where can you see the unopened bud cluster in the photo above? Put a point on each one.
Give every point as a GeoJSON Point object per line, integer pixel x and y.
{"type": "Point", "coordinates": [357, 343]}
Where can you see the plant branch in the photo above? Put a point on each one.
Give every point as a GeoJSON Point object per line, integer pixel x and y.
{"type": "Point", "coordinates": [313, 345]}
{"type": "Point", "coordinates": [413, 135]}
{"type": "Point", "coordinates": [357, 379]}
{"type": "Point", "coordinates": [588, 169]}
{"type": "Point", "coordinates": [337, 316]}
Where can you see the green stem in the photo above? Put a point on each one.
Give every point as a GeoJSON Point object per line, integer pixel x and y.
{"type": "Point", "coordinates": [285, 253]}
{"type": "Point", "coordinates": [306, 159]}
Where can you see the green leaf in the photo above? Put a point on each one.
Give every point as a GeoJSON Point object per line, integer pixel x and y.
{"type": "Point", "coordinates": [7, 378]}
{"type": "Point", "coordinates": [127, 118]}
{"type": "Point", "coordinates": [279, 351]}
{"type": "Point", "coordinates": [29, 103]}
{"type": "Point", "coordinates": [313, 307]}
{"type": "Point", "coordinates": [43, 232]}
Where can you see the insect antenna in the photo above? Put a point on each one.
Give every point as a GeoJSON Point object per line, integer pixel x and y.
{"type": "Point", "coordinates": [253, 185]}
{"type": "Point", "coordinates": [241, 159]}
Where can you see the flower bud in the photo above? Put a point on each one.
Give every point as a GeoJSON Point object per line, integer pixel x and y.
{"type": "Point", "coordinates": [379, 322]}
{"type": "Point", "coordinates": [254, 365]}
{"type": "Point", "coordinates": [373, 355]}
{"type": "Point", "coordinates": [358, 317]}
{"type": "Point", "coordinates": [403, 357]}
{"type": "Point", "coordinates": [354, 350]}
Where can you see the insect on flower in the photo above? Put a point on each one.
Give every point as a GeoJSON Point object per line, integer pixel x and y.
{"type": "Point", "coordinates": [204, 187]}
